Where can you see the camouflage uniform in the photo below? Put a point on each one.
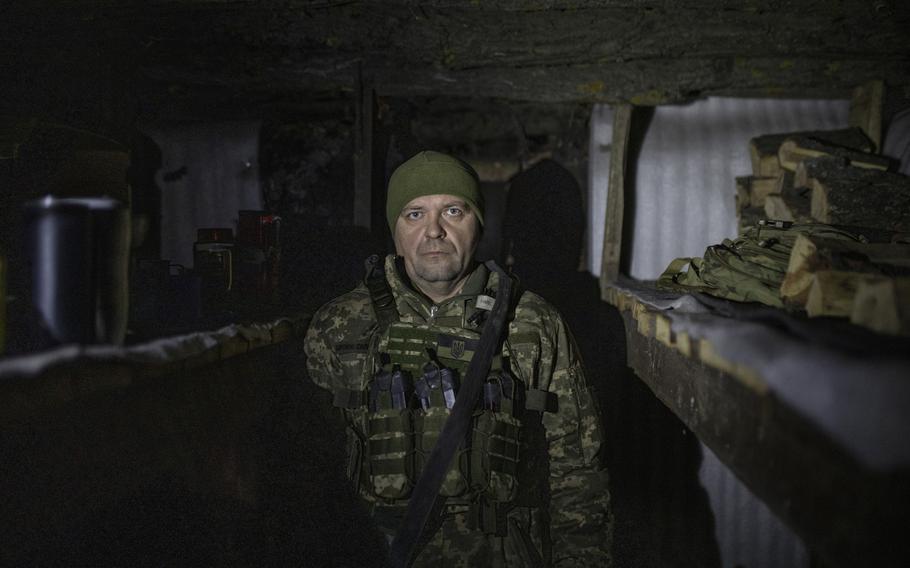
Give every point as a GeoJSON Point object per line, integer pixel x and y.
{"type": "Point", "coordinates": [561, 515]}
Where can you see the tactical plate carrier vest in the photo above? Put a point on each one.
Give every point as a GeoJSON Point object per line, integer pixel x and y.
{"type": "Point", "coordinates": [411, 375]}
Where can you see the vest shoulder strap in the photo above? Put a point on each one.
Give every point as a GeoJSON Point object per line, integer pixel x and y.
{"type": "Point", "coordinates": [380, 292]}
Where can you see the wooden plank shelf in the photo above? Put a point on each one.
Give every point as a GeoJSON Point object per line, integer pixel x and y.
{"type": "Point", "coordinates": [848, 503]}
{"type": "Point", "coordinates": [53, 378]}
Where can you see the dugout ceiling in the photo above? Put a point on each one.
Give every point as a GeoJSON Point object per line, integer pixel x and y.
{"type": "Point", "coordinates": [229, 56]}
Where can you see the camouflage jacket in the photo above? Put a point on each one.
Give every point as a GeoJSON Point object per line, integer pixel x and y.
{"type": "Point", "coordinates": [562, 515]}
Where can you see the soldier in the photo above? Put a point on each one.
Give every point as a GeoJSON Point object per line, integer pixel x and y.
{"type": "Point", "coordinates": [524, 487]}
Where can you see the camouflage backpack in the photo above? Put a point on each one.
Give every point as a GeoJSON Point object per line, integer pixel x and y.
{"type": "Point", "coordinates": [749, 268]}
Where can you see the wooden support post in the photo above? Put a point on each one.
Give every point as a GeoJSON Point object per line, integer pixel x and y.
{"type": "Point", "coordinates": [866, 110]}
{"type": "Point", "coordinates": [363, 153]}
{"type": "Point", "coordinates": [612, 245]}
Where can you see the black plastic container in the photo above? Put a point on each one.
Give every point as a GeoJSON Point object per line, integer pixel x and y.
{"type": "Point", "coordinates": [79, 251]}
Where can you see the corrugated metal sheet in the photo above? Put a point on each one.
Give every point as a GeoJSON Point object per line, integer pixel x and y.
{"type": "Point", "coordinates": [684, 187]}
{"type": "Point", "coordinates": [684, 201]}
{"type": "Point", "coordinates": [748, 533]}
{"type": "Point", "coordinates": [208, 173]}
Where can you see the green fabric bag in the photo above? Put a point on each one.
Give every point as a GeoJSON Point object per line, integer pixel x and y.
{"type": "Point", "coordinates": [749, 268]}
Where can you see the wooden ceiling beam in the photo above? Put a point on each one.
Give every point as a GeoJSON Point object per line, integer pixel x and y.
{"type": "Point", "coordinates": [644, 83]}
{"type": "Point", "coordinates": [639, 51]}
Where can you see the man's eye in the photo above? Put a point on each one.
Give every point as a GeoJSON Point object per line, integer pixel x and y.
{"type": "Point", "coordinates": [413, 214]}
{"type": "Point", "coordinates": [454, 211]}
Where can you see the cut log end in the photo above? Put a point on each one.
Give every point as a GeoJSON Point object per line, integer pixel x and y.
{"type": "Point", "coordinates": [776, 208]}
{"type": "Point", "coordinates": [883, 305]}
{"type": "Point", "coordinates": [819, 203]}
{"type": "Point", "coordinates": [832, 293]}
{"type": "Point", "coordinates": [795, 287]}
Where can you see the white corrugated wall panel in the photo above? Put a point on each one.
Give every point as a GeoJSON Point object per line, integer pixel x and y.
{"type": "Point", "coordinates": [747, 532]}
{"type": "Point", "coordinates": [685, 184]}
{"type": "Point", "coordinates": [690, 155]}
{"type": "Point", "coordinates": [209, 172]}
{"type": "Point", "coordinates": [684, 201]}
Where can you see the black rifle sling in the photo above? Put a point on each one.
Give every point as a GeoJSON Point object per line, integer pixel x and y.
{"type": "Point", "coordinates": [380, 292]}
{"type": "Point", "coordinates": [425, 494]}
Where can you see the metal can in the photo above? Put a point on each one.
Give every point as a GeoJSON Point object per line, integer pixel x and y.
{"type": "Point", "coordinates": [213, 258]}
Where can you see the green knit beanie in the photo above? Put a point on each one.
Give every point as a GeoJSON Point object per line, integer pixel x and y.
{"type": "Point", "coordinates": [432, 173]}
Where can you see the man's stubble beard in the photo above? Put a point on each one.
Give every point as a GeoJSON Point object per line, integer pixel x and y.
{"type": "Point", "coordinates": [447, 271]}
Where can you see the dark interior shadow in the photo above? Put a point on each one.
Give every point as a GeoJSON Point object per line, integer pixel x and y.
{"type": "Point", "coordinates": [145, 161]}
{"type": "Point", "coordinates": [662, 514]}
{"type": "Point", "coordinates": [642, 117]}
{"type": "Point", "coordinates": [322, 262]}
{"type": "Point", "coordinates": [240, 467]}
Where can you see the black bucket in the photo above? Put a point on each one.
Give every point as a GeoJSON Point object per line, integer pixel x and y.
{"type": "Point", "coordinates": [79, 251]}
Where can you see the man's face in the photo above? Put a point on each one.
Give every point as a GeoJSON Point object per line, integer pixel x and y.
{"type": "Point", "coordinates": [437, 236]}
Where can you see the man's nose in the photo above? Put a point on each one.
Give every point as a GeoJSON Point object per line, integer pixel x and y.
{"type": "Point", "coordinates": [435, 230]}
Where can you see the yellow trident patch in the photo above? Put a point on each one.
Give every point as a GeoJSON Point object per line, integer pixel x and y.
{"type": "Point", "coordinates": [457, 349]}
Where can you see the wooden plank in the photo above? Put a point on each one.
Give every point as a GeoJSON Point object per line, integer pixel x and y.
{"type": "Point", "coordinates": [845, 195]}
{"type": "Point", "coordinates": [644, 318]}
{"type": "Point", "coordinates": [549, 52]}
{"type": "Point", "coordinates": [613, 223]}
{"type": "Point", "coordinates": [812, 254]}
{"type": "Point", "coordinates": [684, 343]}
{"type": "Point", "coordinates": [866, 110]}
{"type": "Point", "coordinates": [751, 191]}
{"type": "Point", "coordinates": [883, 305]}
{"type": "Point", "coordinates": [663, 329]}
{"type": "Point", "coordinates": [842, 510]}
{"type": "Point", "coordinates": [45, 382]}
{"type": "Point", "coordinates": [709, 356]}
{"type": "Point", "coordinates": [763, 153]}
{"type": "Point", "coordinates": [764, 150]}
{"type": "Point", "coordinates": [797, 149]}
{"type": "Point", "coordinates": [363, 153]}
{"type": "Point", "coordinates": [832, 293]}
{"type": "Point", "coordinates": [788, 202]}
{"type": "Point", "coordinates": [749, 217]}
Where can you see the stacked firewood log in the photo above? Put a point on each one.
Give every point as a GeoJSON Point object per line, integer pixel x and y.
{"type": "Point", "coordinates": [833, 177]}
